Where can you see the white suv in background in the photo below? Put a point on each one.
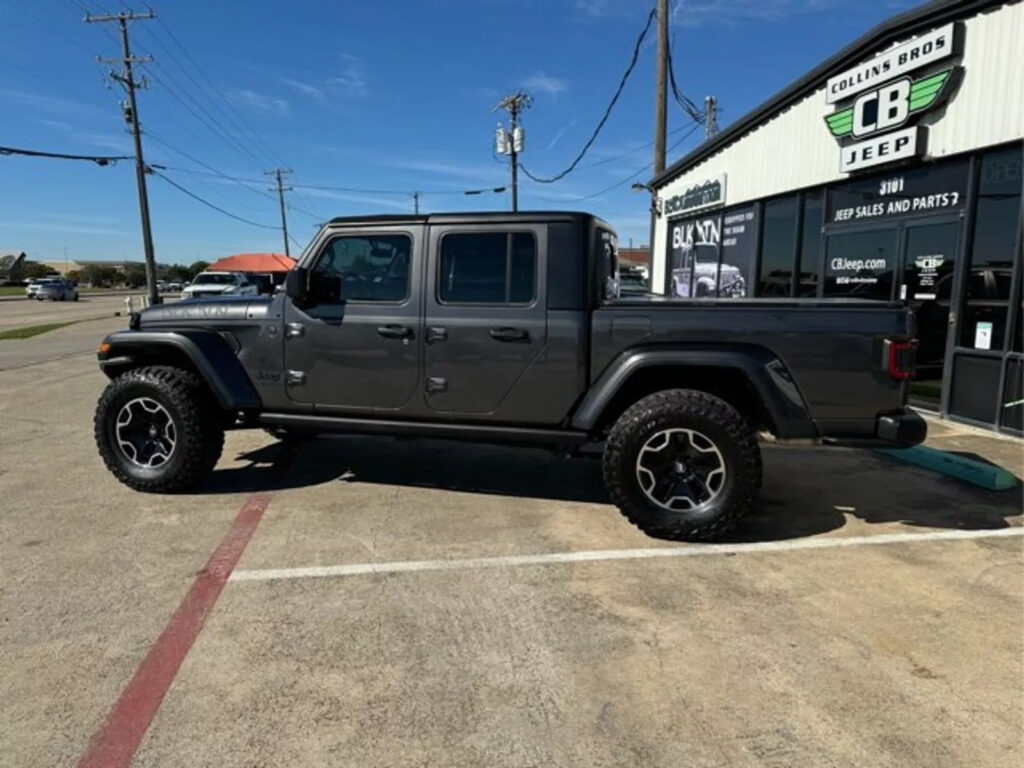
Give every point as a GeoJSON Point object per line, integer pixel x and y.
{"type": "Point", "coordinates": [220, 284]}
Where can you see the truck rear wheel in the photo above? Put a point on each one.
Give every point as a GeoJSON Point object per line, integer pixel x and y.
{"type": "Point", "coordinates": [682, 464]}
{"type": "Point", "coordinates": [158, 429]}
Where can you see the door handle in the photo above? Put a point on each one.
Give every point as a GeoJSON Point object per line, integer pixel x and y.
{"type": "Point", "coordinates": [393, 331]}
{"type": "Point", "coordinates": [436, 333]}
{"type": "Point", "coordinates": [509, 334]}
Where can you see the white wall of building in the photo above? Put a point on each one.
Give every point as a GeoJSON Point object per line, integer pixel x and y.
{"type": "Point", "coordinates": [795, 148]}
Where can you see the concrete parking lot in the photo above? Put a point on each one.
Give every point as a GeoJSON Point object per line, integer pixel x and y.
{"type": "Point", "coordinates": [429, 604]}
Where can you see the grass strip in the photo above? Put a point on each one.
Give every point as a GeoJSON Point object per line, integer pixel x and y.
{"type": "Point", "coordinates": [28, 331]}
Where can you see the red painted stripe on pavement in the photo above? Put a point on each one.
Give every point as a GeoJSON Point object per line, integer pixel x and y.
{"type": "Point", "coordinates": [115, 744]}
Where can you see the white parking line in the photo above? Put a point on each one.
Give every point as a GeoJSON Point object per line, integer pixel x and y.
{"type": "Point", "coordinates": [465, 564]}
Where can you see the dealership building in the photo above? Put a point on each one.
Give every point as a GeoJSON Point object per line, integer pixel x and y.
{"type": "Point", "coordinates": [892, 171]}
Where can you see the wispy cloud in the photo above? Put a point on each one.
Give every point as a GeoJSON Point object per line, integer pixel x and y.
{"type": "Point", "coordinates": [57, 125]}
{"type": "Point", "coordinates": [593, 8]}
{"type": "Point", "coordinates": [349, 83]}
{"type": "Point", "coordinates": [106, 140]}
{"type": "Point", "coordinates": [559, 134]}
{"type": "Point", "coordinates": [539, 82]}
{"type": "Point", "coordinates": [352, 80]}
{"type": "Point", "coordinates": [313, 91]}
{"type": "Point", "coordinates": [456, 170]}
{"type": "Point", "coordinates": [695, 13]}
{"type": "Point", "coordinates": [392, 203]}
{"type": "Point", "coordinates": [259, 101]}
{"type": "Point", "coordinates": [52, 104]}
{"type": "Point", "coordinates": [50, 226]}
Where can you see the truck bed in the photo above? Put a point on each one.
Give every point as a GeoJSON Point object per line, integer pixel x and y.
{"type": "Point", "coordinates": [832, 350]}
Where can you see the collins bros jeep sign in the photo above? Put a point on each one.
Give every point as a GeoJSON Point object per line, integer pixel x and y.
{"type": "Point", "coordinates": [881, 96]}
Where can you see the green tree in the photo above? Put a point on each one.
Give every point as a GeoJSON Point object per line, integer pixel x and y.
{"type": "Point", "coordinates": [178, 274]}
{"type": "Point", "coordinates": [135, 276]}
{"type": "Point", "coordinates": [99, 276]}
{"type": "Point", "coordinates": [74, 274]}
{"type": "Point", "coordinates": [197, 267]}
{"type": "Point", "coordinates": [35, 270]}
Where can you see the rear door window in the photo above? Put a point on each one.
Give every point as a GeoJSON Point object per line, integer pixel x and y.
{"type": "Point", "coordinates": [488, 268]}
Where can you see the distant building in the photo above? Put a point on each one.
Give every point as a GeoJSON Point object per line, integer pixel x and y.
{"type": "Point", "coordinates": [637, 257]}
{"type": "Point", "coordinates": [63, 266]}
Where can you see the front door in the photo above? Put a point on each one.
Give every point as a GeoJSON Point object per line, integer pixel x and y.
{"type": "Point", "coordinates": [486, 315]}
{"type": "Point", "coordinates": [359, 351]}
{"type": "Point", "coordinates": [927, 268]}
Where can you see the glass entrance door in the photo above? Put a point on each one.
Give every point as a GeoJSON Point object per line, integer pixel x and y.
{"type": "Point", "coordinates": [927, 262]}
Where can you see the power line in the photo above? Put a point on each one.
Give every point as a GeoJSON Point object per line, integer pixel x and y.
{"type": "Point", "coordinates": [98, 159]}
{"type": "Point", "coordinates": [330, 188]}
{"type": "Point", "coordinates": [607, 113]}
{"type": "Point", "coordinates": [221, 101]}
{"type": "Point", "coordinates": [691, 109]}
{"type": "Point", "coordinates": [638, 171]}
{"type": "Point", "coordinates": [214, 172]}
{"type": "Point", "coordinates": [207, 203]}
{"type": "Point", "coordinates": [172, 87]}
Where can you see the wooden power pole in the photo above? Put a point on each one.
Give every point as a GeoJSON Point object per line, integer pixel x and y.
{"type": "Point", "coordinates": [661, 97]}
{"type": "Point", "coordinates": [281, 189]}
{"type": "Point", "coordinates": [131, 109]}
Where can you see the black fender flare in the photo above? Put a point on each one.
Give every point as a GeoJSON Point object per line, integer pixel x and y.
{"type": "Point", "coordinates": [209, 352]}
{"type": "Point", "coordinates": [764, 371]}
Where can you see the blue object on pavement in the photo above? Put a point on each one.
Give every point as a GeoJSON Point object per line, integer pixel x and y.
{"type": "Point", "coordinates": [979, 473]}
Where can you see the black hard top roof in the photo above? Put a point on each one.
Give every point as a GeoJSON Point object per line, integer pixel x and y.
{"type": "Point", "coordinates": [897, 27]}
{"type": "Point", "coordinates": [474, 217]}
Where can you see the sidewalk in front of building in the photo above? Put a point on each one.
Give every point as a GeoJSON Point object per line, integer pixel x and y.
{"type": "Point", "coordinates": [1002, 450]}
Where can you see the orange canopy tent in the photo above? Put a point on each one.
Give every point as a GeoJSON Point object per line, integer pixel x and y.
{"type": "Point", "coordinates": [260, 263]}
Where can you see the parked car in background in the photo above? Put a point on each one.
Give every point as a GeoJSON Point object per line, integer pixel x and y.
{"type": "Point", "coordinates": [220, 284]}
{"type": "Point", "coordinates": [56, 290]}
{"type": "Point", "coordinates": [172, 287]}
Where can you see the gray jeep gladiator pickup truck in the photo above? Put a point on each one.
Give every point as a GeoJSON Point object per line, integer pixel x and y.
{"type": "Point", "coordinates": [507, 328]}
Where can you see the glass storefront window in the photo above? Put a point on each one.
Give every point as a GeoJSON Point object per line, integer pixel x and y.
{"type": "Point", "coordinates": [993, 251]}
{"type": "Point", "coordinates": [778, 246]}
{"type": "Point", "coordinates": [739, 242]}
{"type": "Point", "coordinates": [693, 255]}
{"type": "Point", "coordinates": [860, 265]}
{"type": "Point", "coordinates": [810, 246]}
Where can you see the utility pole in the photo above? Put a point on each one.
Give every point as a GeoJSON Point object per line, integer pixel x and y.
{"type": "Point", "coordinates": [710, 116]}
{"type": "Point", "coordinates": [281, 189]}
{"type": "Point", "coordinates": [661, 97]}
{"type": "Point", "coordinates": [416, 202]}
{"type": "Point", "coordinates": [127, 79]}
{"type": "Point", "coordinates": [513, 142]}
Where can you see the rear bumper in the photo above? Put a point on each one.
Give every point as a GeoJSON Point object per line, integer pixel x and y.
{"type": "Point", "coordinates": [904, 429]}
{"type": "Point", "coordinates": [899, 429]}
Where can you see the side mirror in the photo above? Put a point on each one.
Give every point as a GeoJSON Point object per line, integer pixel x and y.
{"type": "Point", "coordinates": [324, 289]}
{"type": "Point", "coordinates": [295, 284]}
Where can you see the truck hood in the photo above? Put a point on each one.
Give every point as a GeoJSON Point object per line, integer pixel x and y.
{"type": "Point", "coordinates": [205, 312]}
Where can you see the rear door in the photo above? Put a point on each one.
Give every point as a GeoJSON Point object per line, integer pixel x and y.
{"type": "Point", "coordinates": [486, 314]}
{"type": "Point", "coordinates": [360, 351]}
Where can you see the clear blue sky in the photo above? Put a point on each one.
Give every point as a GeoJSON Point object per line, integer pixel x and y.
{"type": "Point", "coordinates": [391, 95]}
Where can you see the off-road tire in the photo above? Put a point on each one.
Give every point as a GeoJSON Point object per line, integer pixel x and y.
{"type": "Point", "coordinates": [692, 410]}
{"type": "Point", "coordinates": [198, 423]}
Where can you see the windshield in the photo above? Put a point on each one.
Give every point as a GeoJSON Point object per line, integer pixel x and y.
{"type": "Point", "coordinates": [211, 279]}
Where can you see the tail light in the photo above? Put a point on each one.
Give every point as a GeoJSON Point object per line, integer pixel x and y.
{"type": "Point", "coordinates": [901, 358]}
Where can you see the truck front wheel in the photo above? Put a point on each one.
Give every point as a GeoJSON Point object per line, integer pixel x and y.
{"type": "Point", "coordinates": [682, 464]}
{"type": "Point", "coordinates": [158, 429]}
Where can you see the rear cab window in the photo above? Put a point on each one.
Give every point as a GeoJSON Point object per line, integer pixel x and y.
{"type": "Point", "coordinates": [498, 268]}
